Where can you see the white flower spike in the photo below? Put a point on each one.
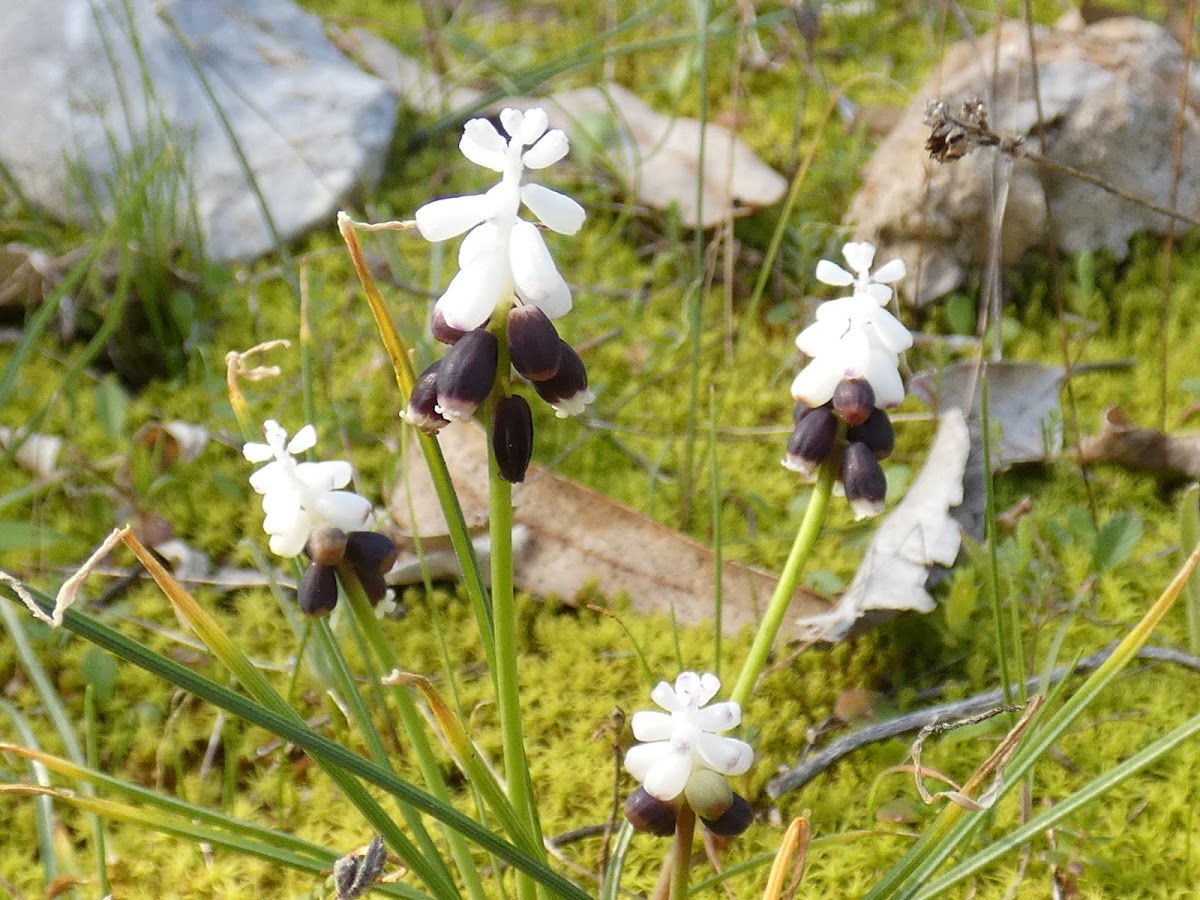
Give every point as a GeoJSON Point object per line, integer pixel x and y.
{"type": "Point", "coordinates": [299, 497]}
{"type": "Point", "coordinates": [503, 254]}
{"type": "Point", "coordinates": [855, 336]}
{"type": "Point", "coordinates": [859, 255]}
{"type": "Point", "coordinates": [686, 738]}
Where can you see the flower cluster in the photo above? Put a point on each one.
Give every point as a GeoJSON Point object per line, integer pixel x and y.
{"type": "Point", "coordinates": [306, 510]}
{"type": "Point", "coordinates": [685, 757]}
{"type": "Point", "coordinates": [853, 376]}
{"type": "Point", "coordinates": [505, 270]}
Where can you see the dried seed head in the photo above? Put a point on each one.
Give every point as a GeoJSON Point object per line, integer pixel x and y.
{"type": "Point", "coordinates": [467, 374]}
{"type": "Point", "coordinates": [734, 820]}
{"type": "Point", "coordinates": [568, 390]}
{"type": "Point", "coordinates": [354, 875]}
{"type": "Point", "coordinates": [512, 437]}
{"type": "Point", "coordinates": [811, 441]}
{"type": "Point", "coordinates": [421, 412]}
{"type": "Point", "coordinates": [863, 479]}
{"type": "Point", "coordinates": [853, 400]}
{"type": "Point", "coordinates": [371, 555]}
{"type": "Point", "coordinates": [443, 331]}
{"type": "Point", "coordinates": [533, 343]}
{"type": "Point", "coordinates": [646, 813]}
{"type": "Point", "coordinates": [318, 591]}
{"type": "Point", "coordinates": [326, 545]}
{"type": "Point", "coordinates": [876, 433]}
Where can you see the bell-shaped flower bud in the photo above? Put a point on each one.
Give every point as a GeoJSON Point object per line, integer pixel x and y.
{"type": "Point", "coordinates": [422, 412]}
{"type": "Point", "coordinates": [708, 793]}
{"type": "Point", "coordinates": [318, 591]}
{"type": "Point", "coordinates": [864, 481]}
{"type": "Point", "coordinates": [876, 433]}
{"type": "Point", "coordinates": [811, 441]}
{"type": "Point", "coordinates": [512, 437]}
{"type": "Point", "coordinates": [326, 545]}
{"type": "Point", "coordinates": [799, 411]}
{"type": "Point", "coordinates": [734, 820]}
{"type": "Point", "coordinates": [443, 331]}
{"type": "Point", "coordinates": [371, 555]}
{"type": "Point", "coordinates": [467, 374]}
{"type": "Point", "coordinates": [853, 400]}
{"type": "Point", "coordinates": [648, 814]}
{"type": "Point", "coordinates": [568, 390]}
{"type": "Point", "coordinates": [533, 343]}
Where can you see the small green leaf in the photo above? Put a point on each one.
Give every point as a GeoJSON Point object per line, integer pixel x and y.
{"type": "Point", "coordinates": [112, 407]}
{"type": "Point", "coordinates": [1115, 540]}
{"type": "Point", "coordinates": [960, 314]}
{"type": "Point", "coordinates": [100, 671]}
{"type": "Point", "coordinates": [17, 535]}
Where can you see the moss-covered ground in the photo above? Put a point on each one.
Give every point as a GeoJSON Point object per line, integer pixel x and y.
{"type": "Point", "coordinates": [630, 273]}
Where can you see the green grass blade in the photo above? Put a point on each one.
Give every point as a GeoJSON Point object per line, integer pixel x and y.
{"type": "Point", "coordinates": [332, 756]}
{"type": "Point", "coordinates": [43, 808]}
{"type": "Point", "coordinates": [1063, 808]}
{"type": "Point", "coordinates": [954, 824]}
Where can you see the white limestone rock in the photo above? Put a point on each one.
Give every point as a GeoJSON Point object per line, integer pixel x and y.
{"type": "Point", "coordinates": [75, 110]}
{"type": "Point", "coordinates": [1110, 101]}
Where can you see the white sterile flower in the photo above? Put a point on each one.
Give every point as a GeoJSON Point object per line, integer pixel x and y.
{"type": "Point", "coordinates": [299, 497]}
{"type": "Point", "coordinates": [859, 255]}
{"type": "Point", "coordinates": [503, 254]}
{"type": "Point", "coordinates": [853, 337]}
{"type": "Point", "coordinates": [686, 738]}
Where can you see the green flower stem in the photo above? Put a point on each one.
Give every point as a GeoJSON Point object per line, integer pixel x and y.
{"type": "Point", "coordinates": [806, 539]}
{"type": "Point", "coordinates": [681, 852]}
{"type": "Point", "coordinates": [504, 620]}
{"type": "Point", "coordinates": [412, 722]}
{"type": "Point", "coordinates": [456, 523]}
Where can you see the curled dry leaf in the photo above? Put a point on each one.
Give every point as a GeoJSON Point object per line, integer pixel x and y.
{"type": "Point", "coordinates": [578, 539]}
{"type": "Point", "coordinates": [917, 534]}
{"type": "Point", "coordinates": [1148, 449]}
{"type": "Point", "coordinates": [658, 156]}
{"type": "Point", "coordinates": [36, 453]}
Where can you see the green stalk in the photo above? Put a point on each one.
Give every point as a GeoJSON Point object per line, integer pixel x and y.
{"type": "Point", "coordinates": [695, 303]}
{"type": "Point", "coordinates": [1012, 634]}
{"type": "Point", "coordinates": [806, 539]}
{"type": "Point", "coordinates": [411, 721]}
{"type": "Point", "coordinates": [504, 619]}
{"type": "Point", "coordinates": [402, 368]}
{"type": "Point", "coordinates": [99, 844]}
{"type": "Point", "coordinates": [681, 852]}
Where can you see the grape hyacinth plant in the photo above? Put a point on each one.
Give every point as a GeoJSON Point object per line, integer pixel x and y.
{"type": "Point", "coordinates": [306, 510]}
{"type": "Point", "coordinates": [841, 428]}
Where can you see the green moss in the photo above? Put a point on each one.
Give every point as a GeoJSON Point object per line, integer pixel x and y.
{"type": "Point", "coordinates": [577, 666]}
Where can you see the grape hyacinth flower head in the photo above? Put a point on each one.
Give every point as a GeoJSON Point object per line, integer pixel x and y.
{"type": "Point", "coordinates": [299, 497]}
{"type": "Point", "coordinates": [502, 253]}
{"type": "Point", "coordinates": [686, 738]}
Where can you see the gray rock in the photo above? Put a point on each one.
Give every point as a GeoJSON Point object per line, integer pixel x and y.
{"type": "Point", "coordinates": [1110, 102]}
{"type": "Point", "coordinates": [94, 96]}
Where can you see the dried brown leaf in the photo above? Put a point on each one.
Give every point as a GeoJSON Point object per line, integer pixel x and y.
{"type": "Point", "coordinates": [1148, 449]}
{"type": "Point", "coordinates": [577, 538]}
